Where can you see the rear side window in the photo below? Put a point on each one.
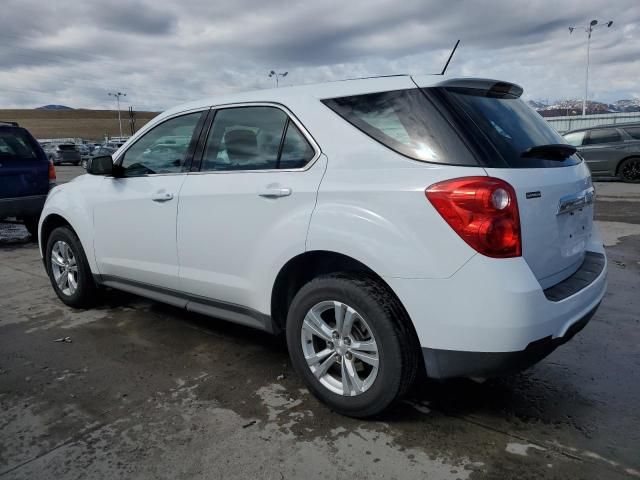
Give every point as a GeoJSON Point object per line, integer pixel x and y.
{"type": "Point", "coordinates": [633, 132]}
{"type": "Point", "coordinates": [255, 138]}
{"type": "Point", "coordinates": [575, 138]}
{"type": "Point", "coordinates": [505, 123]}
{"type": "Point", "coordinates": [296, 151]}
{"type": "Point", "coordinates": [405, 121]}
{"type": "Point", "coordinates": [602, 135]}
{"type": "Point", "coordinates": [15, 144]}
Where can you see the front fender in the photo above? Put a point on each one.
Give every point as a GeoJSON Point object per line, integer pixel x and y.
{"type": "Point", "coordinates": [73, 202]}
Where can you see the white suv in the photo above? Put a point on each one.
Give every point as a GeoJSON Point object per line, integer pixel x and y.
{"type": "Point", "coordinates": [384, 224]}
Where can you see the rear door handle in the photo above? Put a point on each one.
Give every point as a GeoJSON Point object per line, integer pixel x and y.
{"type": "Point", "coordinates": [162, 197]}
{"type": "Point", "coordinates": [274, 192]}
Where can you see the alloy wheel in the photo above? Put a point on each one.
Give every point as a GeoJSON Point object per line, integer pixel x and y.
{"type": "Point", "coordinates": [630, 171]}
{"type": "Point", "coordinates": [64, 267]}
{"type": "Point", "coordinates": [339, 348]}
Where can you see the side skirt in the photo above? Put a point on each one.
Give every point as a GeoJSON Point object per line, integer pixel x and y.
{"type": "Point", "coordinates": [193, 303]}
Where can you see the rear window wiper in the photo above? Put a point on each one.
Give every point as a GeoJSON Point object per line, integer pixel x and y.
{"type": "Point", "coordinates": [553, 151]}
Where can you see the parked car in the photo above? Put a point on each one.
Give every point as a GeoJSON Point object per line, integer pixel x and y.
{"type": "Point", "coordinates": [98, 151]}
{"type": "Point", "coordinates": [26, 175]}
{"type": "Point", "coordinates": [610, 150]}
{"type": "Point", "coordinates": [60, 153]}
{"type": "Point", "coordinates": [386, 225]}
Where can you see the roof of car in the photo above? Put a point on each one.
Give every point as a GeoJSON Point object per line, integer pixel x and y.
{"type": "Point", "coordinates": [318, 91]}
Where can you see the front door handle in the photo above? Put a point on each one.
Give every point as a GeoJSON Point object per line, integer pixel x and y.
{"type": "Point", "coordinates": [274, 191]}
{"type": "Point", "coordinates": [162, 197]}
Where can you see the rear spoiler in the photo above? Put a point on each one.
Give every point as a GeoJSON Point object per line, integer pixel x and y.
{"type": "Point", "coordinates": [482, 86]}
{"type": "Point", "coordinates": [13, 124]}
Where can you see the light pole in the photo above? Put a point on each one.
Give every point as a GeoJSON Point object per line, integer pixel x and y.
{"type": "Point", "coordinates": [589, 28]}
{"type": "Point", "coordinates": [118, 95]}
{"type": "Point", "coordinates": [272, 73]}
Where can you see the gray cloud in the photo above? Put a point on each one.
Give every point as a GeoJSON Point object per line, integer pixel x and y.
{"type": "Point", "coordinates": [163, 52]}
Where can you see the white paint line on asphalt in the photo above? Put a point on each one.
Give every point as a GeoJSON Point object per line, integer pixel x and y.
{"type": "Point", "coordinates": [612, 232]}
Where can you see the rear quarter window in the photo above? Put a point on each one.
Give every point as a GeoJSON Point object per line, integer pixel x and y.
{"type": "Point", "coordinates": [407, 122]}
{"type": "Point", "coordinates": [16, 144]}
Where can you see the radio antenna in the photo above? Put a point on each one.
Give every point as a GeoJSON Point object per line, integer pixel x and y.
{"type": "Point", "coordinates": [449, 59]}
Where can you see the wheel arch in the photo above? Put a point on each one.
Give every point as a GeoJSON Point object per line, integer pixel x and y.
{"type": "Point", "coordinates": [49, 224]}
{"type": "Point", "coordinates": [308, 265]}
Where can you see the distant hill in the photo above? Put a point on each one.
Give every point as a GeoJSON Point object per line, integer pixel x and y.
{"type": "Point", "coordinates": [54, 107]}
{"type": "Point", "coordinates": [574, 107]}
{"type": "Point", "coordinates": [72, 123]}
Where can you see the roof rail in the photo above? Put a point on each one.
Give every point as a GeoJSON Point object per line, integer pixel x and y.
{"type": "Point", "coordinates": [13, 124]}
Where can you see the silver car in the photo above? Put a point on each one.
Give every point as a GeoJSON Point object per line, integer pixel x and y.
{"type": "Point", "coordinates": [610, 150]}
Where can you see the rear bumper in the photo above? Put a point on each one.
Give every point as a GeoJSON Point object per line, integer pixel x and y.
{"type": "Point", "coordinates": [493, 316]}
{"type": "Point", "coordinates": [443, 364]}
{"type": "Point", "coordinates": [22, 206]}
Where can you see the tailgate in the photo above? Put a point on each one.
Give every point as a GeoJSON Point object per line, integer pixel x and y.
{"type": "Point", "coordinates": [556, 217]}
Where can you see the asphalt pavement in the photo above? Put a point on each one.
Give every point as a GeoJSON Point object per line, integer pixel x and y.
{"type": "Point", "coordinates": [137, 389]}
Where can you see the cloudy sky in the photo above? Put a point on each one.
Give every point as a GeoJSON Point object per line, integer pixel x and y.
{"type": "Point", "coordinates": [163, 52]}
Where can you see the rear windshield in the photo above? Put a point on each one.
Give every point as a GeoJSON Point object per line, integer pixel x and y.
{"type": "Point", "coordinates": [66, 147]}
{"type": "Point", "coordinates": [507, 125]}
{"type": "Point", "coordinates": [405, 121]}
{"type": "Point", "coordinates": [16, 144]}
{"type": "Point", "coordinates": [634, 132]}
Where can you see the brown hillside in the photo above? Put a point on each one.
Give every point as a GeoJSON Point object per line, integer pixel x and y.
{"type": "Point", "coordinates": [87, 124]}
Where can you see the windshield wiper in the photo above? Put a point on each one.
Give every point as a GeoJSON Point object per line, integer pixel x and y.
{"type": "Point", "coordinates": [553, 151]}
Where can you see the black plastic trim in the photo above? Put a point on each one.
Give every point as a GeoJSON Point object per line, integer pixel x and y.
{"type": "Point", "coordinates": [591, 268]}
{"type": "Point", "coordinates": [441, 364]}
{"type": "Point", "coordinates": [206, 306]}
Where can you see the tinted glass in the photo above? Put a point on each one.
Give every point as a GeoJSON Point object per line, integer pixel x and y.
{"type": "Point", "coordinates": [296, 151]}
{"type": "Point", "coordinates": [602, 135]}
{"type": "Point", "coordinates": [66, 147]}
{"type": "Point", "coordinates": [15, 144]}
{"type": "Point", "coordinates": [575, 138]}
{"type": "Point", "coordinates": [407, 122]}
{"type": "Point", "coordinates": [509, 125]}
{"type": "Point", "coordinates": [244, 138]}
{"type": "Point", "coordinates": [634, 132]}
{"type": "Point", "coordinates": [163, 149]}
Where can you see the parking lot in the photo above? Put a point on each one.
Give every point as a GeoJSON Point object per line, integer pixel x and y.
{"type": "Point", "coordinates": [139, 389]}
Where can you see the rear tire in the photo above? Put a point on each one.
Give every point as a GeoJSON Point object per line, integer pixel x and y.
{"type": "Point", "coordinates": [629, 170]}
{"type": "Point", "coordinates": [69, 272]}
{"type": "Point", "coordinates": [378, 316]}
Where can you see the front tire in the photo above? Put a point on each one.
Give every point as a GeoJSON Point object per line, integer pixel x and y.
{"type": "Point", "coordinates": [349, 341]}
{"type": "Point", "coordinates": [69, 270]}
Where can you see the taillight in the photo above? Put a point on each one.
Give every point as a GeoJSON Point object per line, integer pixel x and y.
{"type": "Point", "coordinates": [483, 211]}
{"type": "Point", "coordinates": [52, 172]}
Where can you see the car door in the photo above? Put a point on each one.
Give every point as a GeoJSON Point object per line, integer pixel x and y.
{"type": "Point", "coordinates": [135, 212]}
{"type": "Point", "coordinates": [247, 210]}
{"type": "Point", "coordinates": [601, 149]}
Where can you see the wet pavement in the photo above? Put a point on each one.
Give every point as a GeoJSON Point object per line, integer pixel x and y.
{"type": "Point", "coordinates": [144, 390]}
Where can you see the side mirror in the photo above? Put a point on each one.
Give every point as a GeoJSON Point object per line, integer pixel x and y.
{"type": "Point", "coordinates": [102, 165]}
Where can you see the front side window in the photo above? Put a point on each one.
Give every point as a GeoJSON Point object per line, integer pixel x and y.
{"type": "Point", "coordinates": [603, 135]}
{"type": "Point", "coordinates": [163, 149]}
{"type": "Point", "coordinates": [575, 138]}
{"type": "Point", "coordinates": [245, 138]}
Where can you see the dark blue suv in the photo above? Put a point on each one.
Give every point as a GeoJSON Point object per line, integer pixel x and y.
{"type": "Point", "coordinates": [26, 176]}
